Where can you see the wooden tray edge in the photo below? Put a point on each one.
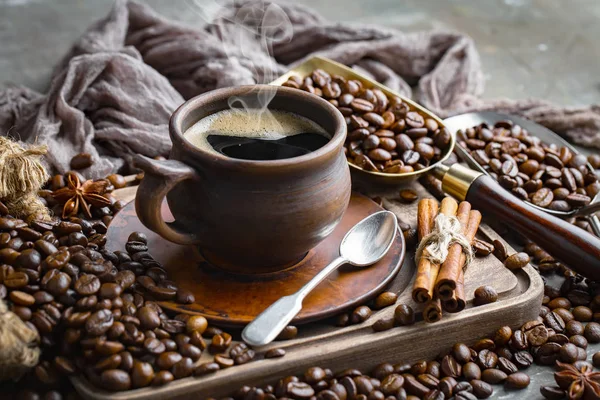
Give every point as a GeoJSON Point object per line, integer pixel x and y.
{"type": "Point", "coordinates": [362, 352]}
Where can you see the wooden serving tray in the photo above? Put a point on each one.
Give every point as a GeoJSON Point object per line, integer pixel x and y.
{"type": "Point", "coordinates": [357, 346]}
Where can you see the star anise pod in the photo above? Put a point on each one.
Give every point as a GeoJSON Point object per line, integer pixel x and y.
{"type": "Point", "coordinates": [77, 195]}
{"type": "Point", "coordinates": [581, 382]}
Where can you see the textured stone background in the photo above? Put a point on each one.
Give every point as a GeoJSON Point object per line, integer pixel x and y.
{"type": "Point", "coordinates": [529, 48]}
{"type": "Point", "coordinates": [541, 48]}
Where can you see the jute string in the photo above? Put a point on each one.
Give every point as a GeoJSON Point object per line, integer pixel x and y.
{"type": "Point", "coordinates": [22, 175]}
{"type": "Point", "coordinates": [18, 345]}
{"type": "Point", "coordinates": [446, 231]}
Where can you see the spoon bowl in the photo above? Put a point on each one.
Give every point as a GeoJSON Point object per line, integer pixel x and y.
{"type": "Point", "coordinates": [365, 244]}
{"type": "Point", "coordinates": [369, 240]}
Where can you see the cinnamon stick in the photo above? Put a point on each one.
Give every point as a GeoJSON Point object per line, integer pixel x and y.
{"type": "Point", "coordinates": [426, 270]}
{"type": "Point", "coordinates": [426, 213]}
{"type": "Point", "coordinates": [457, 303]}
{"type": "Point", "coordinates": [433, 310]}
{"type": "Point", "coordinates": [449, 271]}
{"type": "Point", "coordinates": [458, 291]}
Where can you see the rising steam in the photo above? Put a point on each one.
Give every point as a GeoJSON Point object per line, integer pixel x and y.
{"type": "Point", "coordinates": [248, 32]}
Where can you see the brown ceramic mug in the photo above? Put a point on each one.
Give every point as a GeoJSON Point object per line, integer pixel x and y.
{"type": "Point", "coordinates": [248, 216]}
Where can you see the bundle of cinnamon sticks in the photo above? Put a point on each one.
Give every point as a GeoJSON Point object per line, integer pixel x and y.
{"type": "Point", "coordinates": [441, 286]}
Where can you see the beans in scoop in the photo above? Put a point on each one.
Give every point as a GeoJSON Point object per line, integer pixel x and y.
{"type": "Point", "coordinates": [385, 134]}
{"type": "Point", "coordinates": [546, 175]}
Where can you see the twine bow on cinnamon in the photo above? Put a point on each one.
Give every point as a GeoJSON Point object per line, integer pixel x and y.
{"type": "Point", "coordinates": [447, 230]}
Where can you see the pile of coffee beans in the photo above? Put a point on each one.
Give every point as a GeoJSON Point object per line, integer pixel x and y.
{"type": "Point", "coordinates": [567, 323]}
{"type": "Point", "coordinates": [384, 134]}
{"type": "Point", "coordinates": [546, 175]}
{"type": "Point", "coordinates": [96, 311]}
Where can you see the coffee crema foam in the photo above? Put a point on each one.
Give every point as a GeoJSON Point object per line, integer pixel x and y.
{"type": "Point", "coordinates": [270, 125]}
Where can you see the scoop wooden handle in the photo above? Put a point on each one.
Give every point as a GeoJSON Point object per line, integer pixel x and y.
{"type": "Point", "coordinates": [576, 247]}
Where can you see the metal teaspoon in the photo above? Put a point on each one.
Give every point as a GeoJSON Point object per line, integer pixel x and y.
{"type": "Point", "coordinates": [365, 244]}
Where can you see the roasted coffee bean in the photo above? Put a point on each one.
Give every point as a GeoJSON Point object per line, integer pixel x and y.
{"type": "Point", "coordinates": [167, 360]}
{"type": "Point", "coordinates": [471, 371]}
{"type": "Point", "coordinates": [29, 259]}
{"type": "Point", "coordinates": [110, 291]}
{"type": "Point", "coordinates": [536, 333]}
{"type": "Point", "coordinates": [582, 313]}
{"type": "Point", "coordinates": [485, 295]}
{"type": "Point", "coordinates": [482, 248]}
{"type": "Point", "coordinates": [517, 261]}
{"type": "Point", "coordinates": [447, 385]}
{"type": "Point", "coordinates": [404, 315]}
{"type": "Point", "coordinates": [184, 296]}
{"type": "Point", "coordinates": [502, 335]}
{"type": "Point", "coordinates": [558, 338]}
{"type": "Point", "coordinates": [87, 285]}
{"type": "Point", "coordinates": [220, 342]}
{"type": "Point", "coordinates": [115, 380]}
{"type": "Point", "coordinates": [42, 297]}
{"type": "Point", "coordinates": [592, 332]}
{"type": "Point", "coordinates": [519, 341]}
{"type": "Point", "coordinates": [385, 299]}
{"type": "Point", "coordinates": [559, 302]}
{"type": "Point", "coordinates": [383, 324]}
{"type": "Point", "coordinates": [461, 353]}
{"type": "Point", "coordinates": [518, 380]}
{"type": "Point", "coordinates": [408, 195]}
{"type": "Point", "coordinates": [579, 341]}
{"type": "Point", "coordinates": [487, 359]}
{"type": "Point", "coordinates": [24, 313]}
{"type": "Point", "coordinates": [363, 384]}
{"type": "Point", "coordinates": [275, 353]}
{"type": "Point", "coordinates": [555, 322]}
{"type": "Point", "coordinates": [162, 378]}
{"type": "Point", "coordinates": [56, 282]}
{"type": "Point", "coordinates": [99, 322]}
{"type": "Point", "coordinates": [142, 374]}
{"type": "Point", "coordinates": [21, 298]}
{"type": "Point", "coordinates": [481, 389]}
{"type": "Point", "coordinates": [568, 353]}
{"type": "Point", "coordinates": [493, 376]}
{"type": "Point", "coordinates": [414, 387]}
{"type": "Point", "coordinates": [81, 161]}
{"type": "Point", "coordinates": [418, 368]}
{"type": "Point", "coordinates": [552, 392]}
{"type": "Point", "coordinates": [360, 314]}
{"type": "Point", "coordinates": [183, 368]}
{"type": "Point", "coordinates": [428, 380]}
{"type": "Point", "coordinates": [223, 361]}
{"type": "Point", "coordinates": [500, 251]}
{"type": "Point", "coordinates": [206, 368]}
{"type": "Point", "coordinates": [565, 315]}
{"type": "Point", "coordinates": [548, 353]}
{"type": "Point", "coordinates": [288, 333]}
{"type": "Point", "coordinates": [154, 346]}
{"type": "Point", "coordinates": [507, 366]}
{"type": "Point", "coordinates": [451, 367]}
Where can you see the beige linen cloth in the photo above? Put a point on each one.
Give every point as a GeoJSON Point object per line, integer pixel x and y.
{"type": "Point", "coordinates": [114, 91]}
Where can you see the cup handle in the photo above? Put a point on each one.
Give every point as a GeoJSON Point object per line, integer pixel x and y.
{"type": "Point", "coordinates": [160, 177]}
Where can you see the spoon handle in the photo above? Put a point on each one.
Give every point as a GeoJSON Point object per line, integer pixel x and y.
{"type": "Point", "coordinates": [269, 323]}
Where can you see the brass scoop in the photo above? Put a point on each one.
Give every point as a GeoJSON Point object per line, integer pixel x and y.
{"type": "Point", "coordinates": [576, 247]}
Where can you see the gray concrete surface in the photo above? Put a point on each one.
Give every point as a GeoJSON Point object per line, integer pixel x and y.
{"type": "Point", "coordinates": [529, 48]}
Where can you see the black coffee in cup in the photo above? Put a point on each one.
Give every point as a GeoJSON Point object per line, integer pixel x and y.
{"type": "Point", "coordinates": [249, 135]}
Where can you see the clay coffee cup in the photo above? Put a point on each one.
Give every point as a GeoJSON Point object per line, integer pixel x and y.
{"type": "Point", "coordinates": [248, 216]}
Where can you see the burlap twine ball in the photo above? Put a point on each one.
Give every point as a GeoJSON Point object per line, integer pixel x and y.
{"type": "Point", "coordinates": [22, 175]}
